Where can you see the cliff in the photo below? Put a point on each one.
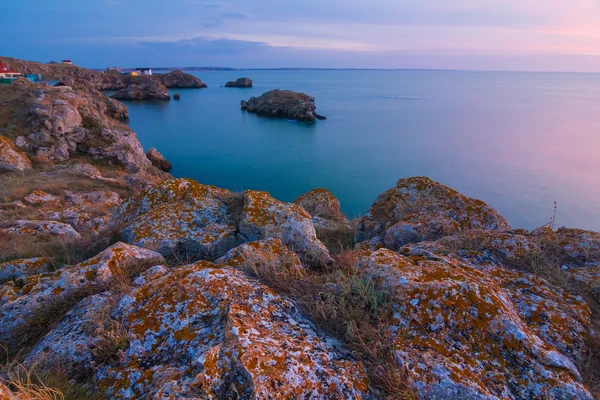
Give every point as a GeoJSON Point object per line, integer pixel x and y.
{"type": "Point", "coordinates": [140, 285]}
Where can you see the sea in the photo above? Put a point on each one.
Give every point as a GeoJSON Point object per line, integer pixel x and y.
{"type": "Point", "coordinates": [522, 142]}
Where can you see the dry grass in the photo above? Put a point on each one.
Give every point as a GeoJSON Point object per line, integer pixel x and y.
{"type": "Point", "coordinates": [342, 301]}
{"type": "Point", "coordinates": [28, 384]}
{"type": "Point", "coordinates": [337, 236]}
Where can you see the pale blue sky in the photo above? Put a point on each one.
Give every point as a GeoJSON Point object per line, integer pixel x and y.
{"type": "Point", "coordinates": [458, 34]}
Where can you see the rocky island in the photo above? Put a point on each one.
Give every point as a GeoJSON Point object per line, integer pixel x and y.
{"type": "Point", "coordinates": [239, 83]}
{"type": "Point", "coordinates": [283, 104]}
{"type": "Point", "coordinates": [143, 88]}
{"type": "Point", "coordinates": [119, 281]}
{"type": "Point", "coordinates": [179, 80]}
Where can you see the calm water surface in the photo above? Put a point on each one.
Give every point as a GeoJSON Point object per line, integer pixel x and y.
{"type": "Point", "coordinates": [518, 141]}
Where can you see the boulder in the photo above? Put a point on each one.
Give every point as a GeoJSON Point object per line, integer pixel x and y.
{"type": "Point", "coordinates": [481, 332]}
{"type": "Point", "coordinates": [240, 83]}
{"type": "Point", "coordinates": [265, 217]}
{"type": "Point", "coordinates": [11, 158]}
{"type": "Point", "coordinates": [41, 198]}
{"type": "Point", "coordinates": [71, 344]}
{"type": "Point", "coordinates": [20, 298]}
{"type": "Point", "coordinates": [21, 268]}
{"type": "Point", "coordinates": [41, 229]}
{"type": "Point", "coordinates": [147, 89]}
{"type": "Point", "coordinates": [320, 203]}
{"type": "Point", "coordinates": [158, 160]}
{"type": "Point", "coordinates": [179, 79]}
{"type": "Point", "coordinates": [283, 104]}
{"type": "Point", "coordinates": [205, 331]}
{"type": "Point", "coordinates": [419, 209]}
{"type": "Point", "coordinates": [179, 216]}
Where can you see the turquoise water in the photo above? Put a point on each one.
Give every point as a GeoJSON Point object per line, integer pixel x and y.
{"type": "Point", "coordinates": [518, 141]}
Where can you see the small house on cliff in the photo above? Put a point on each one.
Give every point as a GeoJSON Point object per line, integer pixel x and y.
{"type": "Point", "coordinates": [68, 62]}
{"type": "Point", "coordinates": [142, 72]}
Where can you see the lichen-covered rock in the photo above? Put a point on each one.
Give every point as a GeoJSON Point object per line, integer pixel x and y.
{"type": "Point", "coordinates": [206, 332]}
{"type": "Point", "coordinates": [99, 199]}
{"type": "Point", "coordinates": [271, 252]}
{"type": "Point", "coordinates": [179, 79]}
{"type": "Point", "coordinates": [21, 268]}
{"type": "Point", "coordinates": [22, 297]}
{"type": "Point", "coordinates": [179, 216]}
{"type": "Point", "coordinates": [321, 203]}
{"type": "Point", "coordinates": [283, 104]}
{"type": "Point", "coordinates": [146, 89]}
{"type": "Point", "coordinates": [577, 243]}
{"type": "Point", "coordinates": [71, 343]}
{"type": "Point", "coordinates": [463, 332]}
{"type": "Point", "coordinates": [41, 229]}
{"type": "Point", "coordinates": [239, 83]}
{"type": "Point", "coordinates": [7, 394]}
{"type": "Point", "coordinates": [40, 198]}
{"type": "Point", "coordinates": [158, 160]}
{"type": "Point", "coordinates": [265, 217]}
{"type": "Point", "coordinates": [11, 158]}
{"type": "Point", "coordinates": [419, 209]}
{"type": "Point", "coordinates": [83, 170]}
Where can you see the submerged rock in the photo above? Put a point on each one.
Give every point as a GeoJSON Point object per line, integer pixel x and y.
{"type": "Point", "coordinates": [179, 79]}
{"type": "Point", "coordinates": [204, 331]}
{"type": "Point", "coordinates": [158, 160]}
{"type": "Point", "coordinates": [240, 83]}
{"type": "Point", "coordinates": [283, 104]}
{"type": "Point", "coordinates": [419, 209]}
{"type": "Point", "coordinates": [146, 89]}
{"type": "Point", "coordinates": [11, 158]}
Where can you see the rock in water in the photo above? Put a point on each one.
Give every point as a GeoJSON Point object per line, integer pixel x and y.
{"type": "Point", "coordinates": [419, 209]}
{"type": "Point", "coordinates": [240, 83]}
{"type": "Point", "coordinates": [144, 89]}
{"type": "Point", "coordinates": [158, 160]}
{"type": "Point", "coordinates": [179, 79]}
{"type": "Point", "coordinates": [176, 96]}
{"type": "Point", "coordinates": [283, 104]}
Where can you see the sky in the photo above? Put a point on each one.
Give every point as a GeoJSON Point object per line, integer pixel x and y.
{"type": "Point", "coordinates": [522, 35]}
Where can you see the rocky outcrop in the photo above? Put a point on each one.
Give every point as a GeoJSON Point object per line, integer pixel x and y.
{"type": "Point", "coordinates": [419, 209]}
{"type": "Point", "coordinates": [11, 158]}
{"type": "Point", "coordinates": [21, 298]}
{"type": "Point", "coordinates": [323, 207]}
{"type": "Point", "coordinates": [283, 104]}
{"type": "Point", "coordinates": [239, 83]}
{"type": "Point", "coordinates": [475, 332]}
{"type": "Point", "coordinates": [61, 123]}
{"type": "Point", "coordinates": [71, 75]}
{"type": "Point", "coordinates": [44, 229]}
{"type": "Point", "coordinates": [41, 198]}
{"type": "Point", "coordinates": [265, 217]}
{"type": "Point", "coordinates": [183, 216]}
{"type": "Point", "coordinates": [16, 269]}
{"type": "Point", "coordinates": [146, 89]}
{"type": "Point", "coordinates": [158, 160]}
{"type": "Point", "coordinates": [178, 79]}
{"type": "Point", "coordinates": [208, 331]}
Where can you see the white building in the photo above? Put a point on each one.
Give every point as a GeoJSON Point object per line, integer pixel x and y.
{"type": "Point", "coordinates": [69, 62]}
{"type": "Point", "coordinates": [142, 72]}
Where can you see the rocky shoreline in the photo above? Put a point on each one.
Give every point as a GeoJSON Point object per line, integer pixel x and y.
{"type": "Point", "coordinates": [138, 284]}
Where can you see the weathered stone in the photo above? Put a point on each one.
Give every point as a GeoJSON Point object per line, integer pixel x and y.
{"type": "Point", "coordinates": [20, 298]}
{"type": "Point", "coordinates": [206, 332]}
{"type": "Point", "coordinates": [265, 217]}
{"type": "Point", "coordinates": [463, 332]}
{"type": "Point", "coordinates": [41, 198]}
{"type": "Point", "coordinates": [71, 344]}
{"type": "Point", "coordinates": [158, 160]}
{"type": "Point", "coordinates": [11, 158]}
{"type": "Point", "coordinates": [419, 209]}
{"type": "Point", "coordinates": [41, 229]}
{"type": "Point", "coordinates": [283, 104]}
{"type": "Point", "coordinates": [21, 268]}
